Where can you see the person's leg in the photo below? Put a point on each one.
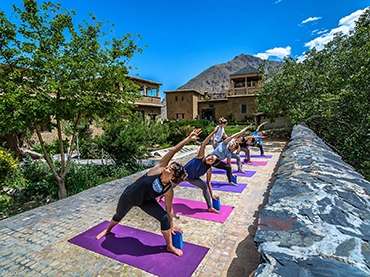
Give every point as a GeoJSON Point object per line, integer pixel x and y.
{"type": "Point", "coordinates": [207, 196]}
{"type": "Point", "coordinates": [247, 154]}
{"type": "Point", "coordinates": [229, 173]}
{"type": "Point", "coordinates": [123, 207]}
{"type": "Point", "coordinates": [238, 162]}
{"type": "Point", "coordinates": [154, 209]}
{"type": "Point", "coordinates": [261, 149]}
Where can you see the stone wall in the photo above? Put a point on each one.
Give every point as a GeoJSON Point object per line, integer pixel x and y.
{"type": "Point", "coordinates": [317, 219]}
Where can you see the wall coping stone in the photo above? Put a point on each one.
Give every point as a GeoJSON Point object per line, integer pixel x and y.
{"type": "Point", "coordinates": [317, 219]}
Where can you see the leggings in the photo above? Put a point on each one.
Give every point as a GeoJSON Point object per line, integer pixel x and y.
{"type": "Point", "coordinates": [151, 207]}
{"type": "Point", "coordinates": [226, 167]}
{"type": "Point", "coordinates": [247, 153]}
{"type": "Point", "coordinates": [237, 158]}
{"type": "Point", "coordinates": [203, 186]}
{"type": "Point", "coordinates": [261, 148]}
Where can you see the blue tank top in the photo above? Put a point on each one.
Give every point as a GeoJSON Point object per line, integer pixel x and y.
{"type": "Point", "coordinates": [195, 169]}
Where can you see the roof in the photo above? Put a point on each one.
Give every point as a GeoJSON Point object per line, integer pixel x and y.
{"type": "Point", "coordinates": [184, 90]}
{"type": "Point", "coordinates": [246, 70]}
{"type": "Point", "coordinates": [143, 80]}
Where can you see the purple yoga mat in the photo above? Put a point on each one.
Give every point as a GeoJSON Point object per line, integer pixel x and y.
{"type": "Point", "coordinates": [248, 173]}
{"type": "Point", "coordinates": [259, 163]}
{"type": "Point", "coordinates": [141, 249]}
{"type": "Point", "coordinates": [219, 185]}
{"type": "Point", "coordinates": [197, 209]}
{"type": "Point", "coordinates": [257, 156]}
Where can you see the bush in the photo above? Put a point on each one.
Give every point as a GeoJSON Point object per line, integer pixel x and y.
{"type": "Point", "coordinates": [82, 177]}
{"type": "Point", "coordinates": [40, 180]}
{"type": "Point", "coordinates": [8, 164]}
{"type": "Point", "coordinates": [179, 130]}
{"type": "Point", "coordinates": [127, 141]}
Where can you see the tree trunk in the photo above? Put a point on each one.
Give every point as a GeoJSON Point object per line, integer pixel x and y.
{"type": "Point", "coordinates": [62, 192]}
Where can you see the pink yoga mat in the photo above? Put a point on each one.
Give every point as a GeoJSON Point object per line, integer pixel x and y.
{"type": "Point", "coordinates": [198, 210]}
{"type": "Point", "coordinates": [259, 163]}
{"type": "Point", "coordinates": [248, 173]}
{"type": "Point", "coordinates": [257, 156]}
{"type": "Point", "coordinates": [218, 185]}
{"type": "Point", "coordinates": [142, 249]}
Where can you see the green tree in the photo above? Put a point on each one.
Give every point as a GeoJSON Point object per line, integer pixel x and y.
{"type": "Point", "coordinates": [55, 72]}
{"type": "Point", "coordinates": [329, 90]}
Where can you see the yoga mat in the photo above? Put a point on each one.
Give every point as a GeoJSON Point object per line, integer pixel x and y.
{"type": "Point", "coordinates": [233, 161]}
{"type": "Point", "coordinates": [141, 249]}
{"type": "Point", "coordinates": [257, 156]}
{"type": "Point", "coordinates": [197, 209]}
{"type": "Point", "coordinates": [248, 173]}
{"type": "Point", "coordinates": [218, 185]}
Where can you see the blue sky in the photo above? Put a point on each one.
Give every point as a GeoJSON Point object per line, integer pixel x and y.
{"type": "Point", "coordinates": [185, 37]}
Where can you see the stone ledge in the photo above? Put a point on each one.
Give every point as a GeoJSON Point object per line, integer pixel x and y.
{"type": "Point", "coordinates": [317, 220]}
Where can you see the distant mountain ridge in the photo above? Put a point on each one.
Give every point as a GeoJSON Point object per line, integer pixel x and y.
{"type": "Point", "coordinates": [216, 79]}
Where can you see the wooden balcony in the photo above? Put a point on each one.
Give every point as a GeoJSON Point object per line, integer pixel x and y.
{"type": "Point", "coordinates": [242, 91]}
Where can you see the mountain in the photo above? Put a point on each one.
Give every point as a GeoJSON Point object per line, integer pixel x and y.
{"type": "Point", "coordinates": [216, 79]}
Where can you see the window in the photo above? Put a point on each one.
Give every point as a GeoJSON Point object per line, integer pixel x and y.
{"type": "Point", "coordinates": [182, 98]}
{"type": "Point", "coordinates": [176, 98]}
{"type": "Point", "coordinates": [243, 108]}
{"type": "Point", "coordinates": [183, 116]}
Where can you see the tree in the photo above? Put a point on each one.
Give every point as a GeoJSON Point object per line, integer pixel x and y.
{"type": "Point", "coordinates": [330, 91]}
{"type": "Point", "coordinates": [55, 72]}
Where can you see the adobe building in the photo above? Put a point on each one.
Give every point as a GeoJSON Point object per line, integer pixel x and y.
{"type": "Point", "coordinates": [237, 105]}
{"type": "Point", "coordinates": [150, 104]}
{"type": "Point", "coordinates": [182, 104]}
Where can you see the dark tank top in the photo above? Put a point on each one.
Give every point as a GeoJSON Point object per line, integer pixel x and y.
{"type": "Point", "coordinates": [146, 188]}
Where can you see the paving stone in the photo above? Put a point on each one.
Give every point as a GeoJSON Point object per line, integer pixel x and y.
{"type": "Point", "coordinates": [38, 238]}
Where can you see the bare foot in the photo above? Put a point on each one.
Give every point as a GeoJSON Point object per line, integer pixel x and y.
{"type": "Point", "coordinates": [102, 234]}
{"type": "Point", "coordinates": [241, 171]}
{"type": "Point", "coordinates": [174, 250]}
{"type": "Point", "coordinates": [233, 184]}
{"type": "Point", "coordinates": [213, 210]}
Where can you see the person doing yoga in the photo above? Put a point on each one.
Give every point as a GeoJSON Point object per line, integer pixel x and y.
{"type": "Point", "coordinates": [159, 180]}
{"type": "Point", "coordinates": [198, 166]}
{"type": "Point", "coordinates": [225, 150]}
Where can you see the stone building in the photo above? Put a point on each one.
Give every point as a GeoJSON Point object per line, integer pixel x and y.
{"type": "Point", "coordinates": [150, 104]}
{"type": "Point", "coordinates": [238, 104]}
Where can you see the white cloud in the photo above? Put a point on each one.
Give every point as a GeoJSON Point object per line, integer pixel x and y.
{"type": "Point", "coordinates": [310, 19]}
{"type": "Point", "coordinates": [322, 32]}
{"type": "Point", "coordinates": [262, 56]}
{"type": "Point", "coordinates": [279, 52]}
{"type": "Point", "coordinates": [346, 24]}
{"type": "Point", "coordinates": [278, 1]}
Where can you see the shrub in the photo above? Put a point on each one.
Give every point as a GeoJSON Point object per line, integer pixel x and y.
{"type": "Point", "coordinates": [40, 180]}
{"type": "Point", "coordinates": [8, 164]}
{"type": "Point", "coordinates": [82, 177]}
{"type": "Point", "coordinates": [127, 141]}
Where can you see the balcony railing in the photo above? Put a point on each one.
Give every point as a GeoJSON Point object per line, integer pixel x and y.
{"type": "Point", "coordinates": [242, 91]}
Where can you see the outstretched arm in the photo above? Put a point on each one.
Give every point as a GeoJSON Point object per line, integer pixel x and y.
{"type": "Point", "coordinates": [238, 133]}
{"type": "Point", "coordinates": [167, 158]}
{"type": "Point", "coordinates": [263, 123]}
{"type": "Point", "coordinates": [205, 142]}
